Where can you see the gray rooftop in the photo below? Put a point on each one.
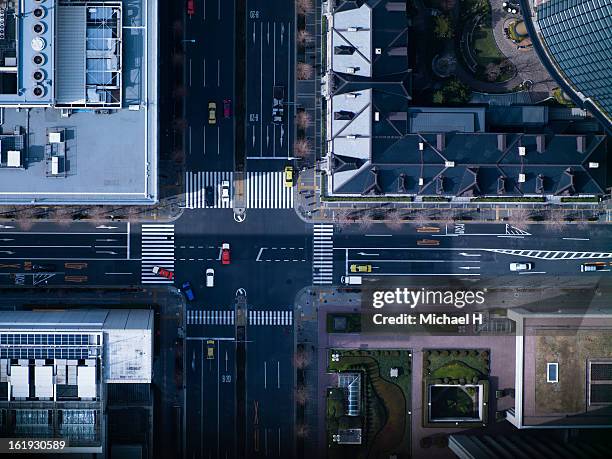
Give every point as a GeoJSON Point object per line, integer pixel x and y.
{"type": "Point", "coordinates": [351, 41]}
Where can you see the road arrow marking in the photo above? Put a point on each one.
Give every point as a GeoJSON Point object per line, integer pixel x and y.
{"type": "Point", "coordinates": [465, 254]}
{"type": "Point", "coordinates": [469, 267]}
{"type": "Point", "coordinates": [106, 227]}
{"type": "Point", "coordinates": [365, 254]}
{"type": "Point", "coordinates": [106, 251]}
{"type": "Point", "coordinates": [6, 227]}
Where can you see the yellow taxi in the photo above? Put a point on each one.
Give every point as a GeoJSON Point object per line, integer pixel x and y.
{"type": "Point", "coordinates": [210, 349]}
{"type": "Point", "coordinates": [289, 176]}
{"type": "Point", "coordinates": [361, 268]}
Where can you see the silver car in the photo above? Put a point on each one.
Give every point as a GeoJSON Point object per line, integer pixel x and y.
{"type": "Point", "coordinates": [210, 277]}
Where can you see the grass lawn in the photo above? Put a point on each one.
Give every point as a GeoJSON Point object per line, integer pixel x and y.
{"type": "Point", "coordinates": [456, 364]}
{"type": "Point", "coordinates": [485, 48]}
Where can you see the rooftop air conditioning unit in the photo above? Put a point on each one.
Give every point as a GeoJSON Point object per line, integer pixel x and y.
{"type": "Point", "coordinates": [38, 75]}
{"type": "Point", "coordinates": [351, 136]}
{"type": "Point", "coordinates": [521, 178]}
{"type": "Point", "coordinates": [353, 29]}
{"type": "Point", "coordinates": [376, 116]}
{"type": "Point", "coordinates": [350, 95]}
{"type": "Point", "coordinates": [378, 50]}
{"type": "Point", "coordinates": [522, 151]}
{"type": "Point", "coordinates": [593, 165]}
{"type": "Point", "coordinates": [421, 146]}
{"type": "Point", "coordinates": [39, 28]}
{"type": "Point", "coordinates": [421, 181]}
{"type": "Point", "coordinates": [350, 70]}
{"type": "Point", "coordinates": [38, 90]}
{"type": "Point", "coordinates": [449, 163]}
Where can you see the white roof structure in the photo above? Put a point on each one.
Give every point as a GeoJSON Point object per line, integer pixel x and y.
{"type": "Point", "coordinates": [20, 384]}
{"type": "Point", "coordinates": [350, 37]}
{"type": "Point", "coordinates": [13, 158]}
{"type": "Point", "coordinates": [43, 381]}
{"type": "Point", "coordinates": [86, 382]}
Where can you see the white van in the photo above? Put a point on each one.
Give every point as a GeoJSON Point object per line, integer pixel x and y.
{"type": "Point", "coordinates": [351, 280]}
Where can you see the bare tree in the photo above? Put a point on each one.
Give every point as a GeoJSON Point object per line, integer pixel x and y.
{"type": "Point", "coordinates": [179, 92]}
{"type": "Point", "coordinates": [304, 71]}
{"type": "Point", "coordinates": [394, 220]}
{"type": "Point", "coordinates": [63, 215]}
{"type": "Point", "coordinates": [421, 216]}
{"type": "Point", "coordinates": [26, 217]}
{"type": "Point", "coordinates": [177, 26]}
{"type": "Point", "coordinates": [179, 124]}
{"type": "Point", "coordinates": [365, 220]}
{"type": "Point", "coordinates": [178, 59]}
{"type": "Point", "coordinates": [301, 359]}
{"type": "Point", "coordinates": [303, 119]}
{"type": "Point", "coordinates": [304, 37]}
{"type": "Point", "coordinates": [342, 217]}
{"type": "Point", "coordinates": [301, 148]}
{"type": "Point", "coordinates": [303, 6]}
{"type": "Point", "coordinates": [301, 395]}
{"type": "Point", "coordinates": [519, 217]}
{"type": "Point", "coordinates": [97, 213]}
{"type": "Point", "coordinates": [178, 155]}
{"type": "Point", "coordinates": [555, 219]}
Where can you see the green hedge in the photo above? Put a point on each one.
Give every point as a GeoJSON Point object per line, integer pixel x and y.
{"type": "Point", "coordinates": [583, 199]}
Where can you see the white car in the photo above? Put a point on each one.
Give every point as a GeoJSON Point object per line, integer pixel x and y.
{"type": "Point", "coordinates": [210, 277]}
{"type": "Point", "coordinates": [225, 191]}
{"type": "Point", "coordinates": [521, 266]}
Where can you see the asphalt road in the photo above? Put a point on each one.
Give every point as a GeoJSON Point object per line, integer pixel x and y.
{"type": "Point", "coordinates": [270, 41]}
{"type": "Point", "coordinates": [209, 74]}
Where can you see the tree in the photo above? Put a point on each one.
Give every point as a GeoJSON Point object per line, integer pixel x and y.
{"type": "Point", "coordinates": [301, 395]}
{"type": "Point", "coordinates": [304, 71]}
{"type": "Point", "coordinates": [301, 148]}
{"type": "Point", "coordinates": [555, 220]}
{"type": "Point", "coordinates": [456, 92]}
{"type": "Point", "coordinates": [304, 37]}
{"type": "Point", "coordinates": [301, 359]}
{"type": "Point", "coordinates": [303, 6]}
{"type": "Point", "coordinates": [97, 213]}
{"type": "Point", "coordinates": [303, 119]}
{"type": "Point", "coordinates": [438, 97]}
{"type": "Point", "coordinates": [519, 217]}
{"type": "Point", "coordinates": [394, 220]}
{"type": "Point", "coordinates": [443, 27]}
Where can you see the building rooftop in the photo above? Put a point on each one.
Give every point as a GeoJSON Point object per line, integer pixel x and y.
{"type": "Point", "coordinates": [92, 132]}
{"type": "Point", "coordinates": [564, 376]}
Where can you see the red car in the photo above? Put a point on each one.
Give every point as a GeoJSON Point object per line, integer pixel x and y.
{"type": "Point", "coordinates": [163, 272]}
{"type": "Point", "coordinates": [227, 108]}
{"type": "Point", "coordinates": [190, 7]}
{"type": "Point", "coordinates": [225, 254]}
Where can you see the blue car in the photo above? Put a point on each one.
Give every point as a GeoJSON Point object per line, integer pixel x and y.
{"type": "Point", "coordinates": [187, 291]}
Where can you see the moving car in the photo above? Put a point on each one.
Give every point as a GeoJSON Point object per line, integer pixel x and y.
{"type": "Point", "coordinates": [227, 108]}
{"type": "Point", "coordinates": [190, 7]}
{"type": "Point", "coordinates": [186, 288]}
{"type": "Point", "coordinates": [593, 266]}
{"type": "Point", "coordinates": [225, 253]}
{"type": "Point", "coordinates": [361, 268]}
{"type": "Point", "coordinates": [225, 191]}
{"type": "Point", "coordinates": [289, 176]}
{"type": "Point", "coordinates": [210, 277]}
{"type": "Point", "coordinates": [351, 280]}
{"type": "Point", "coordinates": [209, 196]}
{"type": "Point", "coordinates": [163, 272]}
{"type": "Point", "coordinates": [212, 113]}
{"type": "Point", "coordinates": [210, 349]}
{"type": "Point", "coordinates": [521, 266]}
{"type": "Point", "coordinates": [44, 267]}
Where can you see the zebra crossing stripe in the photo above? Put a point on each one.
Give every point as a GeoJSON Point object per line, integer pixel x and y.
{"type": "Point", "coordinates": [210, 317]}
{"type": "Point", "coordinates": [196, 184]}
{"type": "Point", "coordinates": [552, 254]}
{"type": "Point", "coordinates": [270, 318]}
{"type": "Point", "coordinates": [323, 254]}
{"type": "Point", "coordinates": [157, 249]}
{"type": "Point", "coordinates": [267, 190]}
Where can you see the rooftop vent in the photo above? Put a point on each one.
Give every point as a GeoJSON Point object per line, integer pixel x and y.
{"type": "Point", "coordinates": [440, 141]}
{"type": "Point", "coordinates": [351, 95]}
{"type": "Point", "coordinates": [38, 59]}
{"type": "Point", "coordinates": [378, 50]}
{"type": "Point", "coordinates": [522, 151]}
{"type": "Point", "coordinates": [521, 178]}
{"type": "Point", "coordinates": [351, 69]}
{"type": "Point", "coordinates": [541, 143]}
{"type": "Point", "coordinates": [449, 163]}
{"type": "Point", "coordinates": [376, 116]}
{"type": "Point", "coordinates": [501, 142]}
{"type": "Point", "coordinates": [593, 165]}
{"type": "Point", "coordinates": [352, 136]}
{"type": "Point", "coordinates": [540, 183]}
{"type": "Point", "coordinates": [39, 28]}
{"type": "Point", "coordinates": [38, 91]}
{"type": "Point", "coordinates": [421, 146]}
{"type": "Point", "coordinates": [421, 181]}
{"type": "Point", "coordinates": [38, 75]}
{"type": "Point", "coordinates": [38, 44]}
{"type": "Point", "coordinates": [39, 12]}
{"type": "Point", "coordinates": [344, 115]}
{"type": "Point", "coordinates": [353, 29]}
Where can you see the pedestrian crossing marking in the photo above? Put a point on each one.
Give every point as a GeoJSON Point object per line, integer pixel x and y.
{"type": "Point", "coordinates": [210, 317]}
{"type": "Point", "coordinates": [323, 253]}
{"type": "Point", "coordinates": [552, 254]}
{"type": "Point", "coordinates": [157, 249]}
{"type": "Point", "coordinates": [263, 190]}
{"type": "Point", "coordinates": [270, 317]}
{"type": "Point", "coordinates": [513, 230]}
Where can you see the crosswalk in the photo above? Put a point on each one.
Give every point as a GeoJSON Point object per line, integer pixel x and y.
{"type": "Point", "coordinates": [208, 317]}
{"type": "Point", "coordinates": [195, 189]}
{"type": "Point", "coordinates": [552, 254]}
{"type": "Point", "coordinates": [323, 254]}
{"type": "Point", "coordinates": [157, 242]}
{"type": "Point", "coordinates": [227, 317]}
{"type": "Point", "coordinates": [263, 190]}
{"type": "Point", "coordinates": [513, 230]}
{"type": "Point", "coordinates": [270, 317]}
{"type": "Point", "coordinates": [267, 190]}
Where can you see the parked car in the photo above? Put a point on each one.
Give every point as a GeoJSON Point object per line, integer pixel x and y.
{"type": "Point", "coordinates": [227, 108]}
{"type": "Point", "coordinates": [361, 268]}
{"type": "Point", "coordinates": [210, 277]}
{"type": "Point", "coordinates": [289, 176]}
{"type": "Point", "coordinates": [190, 7]}
{"type": "Point", "coordinates": [351, 280]}
{"type": "Point", "coordinates": [210, 349]}
{"type": "Point", "coordinates": [44, 267]}
{"type": "Point", "coordinates": [212, 113]}
{"type": "Point", "coordinates": [186, 288]}
{"type": "Point", "coordinates": [521, 266]}
{"type": "Point", "coordinates": [163, 272]}
{"type": "Point", "coordinates": [225, 253]}
{"type": "Point", "coordinates": [209, 196]}
{"type": "Point", "coordinates": [225, 191]}
{"type": "Point", "coordinates": [594, 266]}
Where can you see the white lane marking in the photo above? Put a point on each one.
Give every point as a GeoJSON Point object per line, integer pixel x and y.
{"type": "Point", "coordinates": [576, 239]}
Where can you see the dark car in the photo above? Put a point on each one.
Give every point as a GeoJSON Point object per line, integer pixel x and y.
{"type": "Point", "coordinates": [209, 196]}
{"type": "Point", "coordinates": [44, 267]}
{"type": "Point", "coordinates": [186, 287]}
{"type": "Point", "coordinates": [227, 108]}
